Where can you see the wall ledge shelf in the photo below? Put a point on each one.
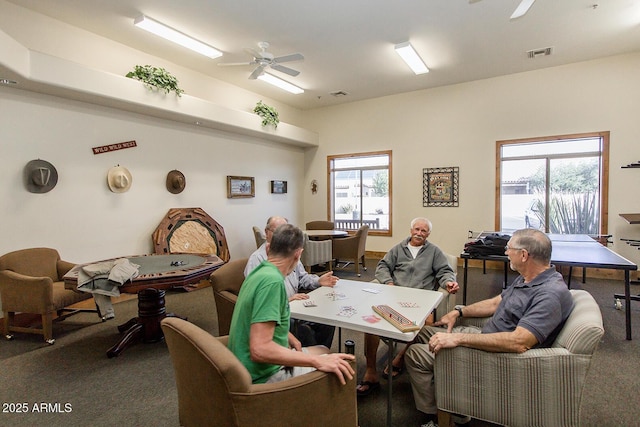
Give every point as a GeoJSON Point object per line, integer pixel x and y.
{"type": "Point", "coordinates": [631, 218]}
{"type": "Point", "coordinates": [39, 72]}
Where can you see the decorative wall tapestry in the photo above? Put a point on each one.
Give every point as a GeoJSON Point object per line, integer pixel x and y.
{"type": "Point", "coordinates": [440, 187]}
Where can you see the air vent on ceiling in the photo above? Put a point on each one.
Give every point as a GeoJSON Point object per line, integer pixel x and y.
{"type": "Point", "coordinates": [338, 93]}
{"type": "Point", "coordinates": [546, 51]}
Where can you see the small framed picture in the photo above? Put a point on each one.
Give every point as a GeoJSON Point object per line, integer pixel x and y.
{"type": "Point", "coordinates": [240, 186]}
{"type": "Point", "coordinates": [279, 187]}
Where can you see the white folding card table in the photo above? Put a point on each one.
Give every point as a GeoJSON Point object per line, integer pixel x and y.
{"type": "Point", "coordinates": [348, 305]}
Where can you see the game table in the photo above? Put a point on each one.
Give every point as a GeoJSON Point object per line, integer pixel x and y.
{"type": "Point", "coordinates": [156, 274]}
{"type": "Point", "coordinates": [349, 305]}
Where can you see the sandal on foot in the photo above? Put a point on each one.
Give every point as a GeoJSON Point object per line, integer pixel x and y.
{"type": "Point", "coordinates": [370, 386]}
{"type": "Point", "coordinates": [397, 371]}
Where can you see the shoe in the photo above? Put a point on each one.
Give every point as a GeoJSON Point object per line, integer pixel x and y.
{"type": "Point", "coordinates": [371, 386]}
{"type": "Point", "coordinates": [397, 371]}
{"type": "Point", "coordinates": [430, 424]}
{"type": "Point", "coordinates": [460, 420]}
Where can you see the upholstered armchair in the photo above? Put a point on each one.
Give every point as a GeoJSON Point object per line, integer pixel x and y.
{"type": "Point", "coordinates": [316, 252]}
{"type": "Point", "coordinates": [226, 282]}
{"type": "Point", "coordinates": [320, 225]}
{"type": "Point", "coordinates": [352, 248]}
{"type": "Point", "coordinates": [540, 387]}
{"type": "Point", "coordinates": [259, 236]}
{"type": "Point", "coordinates": [449, 300]}
{"type": "Point", "coordinates": [215, 389]}
{"type": "Point", "coordinates": [31, 282]}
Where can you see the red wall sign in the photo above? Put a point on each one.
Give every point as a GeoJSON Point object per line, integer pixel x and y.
{"type": "Point", "coordinates": [114, 147]}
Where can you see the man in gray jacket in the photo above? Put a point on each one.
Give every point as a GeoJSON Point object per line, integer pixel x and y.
{"type": "Point", "coordinates": [414, 263]}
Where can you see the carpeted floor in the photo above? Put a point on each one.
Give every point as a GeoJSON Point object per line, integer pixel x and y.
{"type": "Point", "coordinates": [79, 385]}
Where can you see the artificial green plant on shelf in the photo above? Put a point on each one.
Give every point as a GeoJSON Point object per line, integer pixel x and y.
{"type": "Point", "coordinates": [155, 78]}
{"type": "Point", "coordinates": [269, 114]}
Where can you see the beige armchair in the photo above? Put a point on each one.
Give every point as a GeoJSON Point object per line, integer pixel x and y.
{"type": "Point", "coordinates": [31, 282]}
{"type": "Point", "coordinates": [316, 252]}
{"type": "Point", "coordinates": [538, 387]}
{"type": "Point", "coordinates": [259, 236]}
{"type": "Point", "coordinates": [449, 300]}
{"type": "Point", "coordinates": [215, 389]}
{"type": "Point", "coordinates": [352, 248]}
{"type": "Point", "coordinates": [320, 225]}
{"type": "Point", "coordinates": [226, 282]}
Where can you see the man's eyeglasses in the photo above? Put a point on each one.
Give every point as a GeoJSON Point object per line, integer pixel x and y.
{"type": "Point", "coordinates": [507, 247]}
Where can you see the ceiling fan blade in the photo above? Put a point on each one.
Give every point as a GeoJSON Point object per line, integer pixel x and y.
{"type": "Point", "coordinates": [257, 72]}
{"type": "Point", "coordinates": [286, 70]}
{"type": "Point", "coordinates": [473, 1]}
{"type": "Point", "coordinates": [522, 8]}
{"type": "Point", "coordinates": [254, 53]}
{"type": "Point", "coordinates": [289, 58]}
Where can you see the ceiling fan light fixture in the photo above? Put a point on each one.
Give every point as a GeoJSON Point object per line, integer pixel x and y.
{"type": "Point", "coordinates": [411, 57]}
{"type": "Point", "coordinates": [176, 36]}
{"type": "Point", "coordinates": [271, 79]}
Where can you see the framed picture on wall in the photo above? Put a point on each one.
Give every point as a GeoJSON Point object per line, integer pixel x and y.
{"type": "Point", "coordinates": [440, 186]}
{"type": "Point", "coordinates": [240, 186]}
{"type": "Point", "coordinates": [278, 187]}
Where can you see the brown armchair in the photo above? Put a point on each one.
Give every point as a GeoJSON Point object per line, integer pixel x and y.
{"type": "Point", "coordinates": [226, 282]}
{"type": "Point", "coordinates": [352, 248]}
{"type": "Point", "coordinates": [31, 282]}
{"type": "Point", "coordinates": [320, 225]}
{"type": "Point", "coordinates": [215, 389]}
{"type": "Point", "coordinates": [259, 236]}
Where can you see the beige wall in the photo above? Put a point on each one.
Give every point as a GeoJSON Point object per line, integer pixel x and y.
{"type": "Point", "coordinates": [85, 221]}
{"type": "Point", "coordinates": [459, 125]}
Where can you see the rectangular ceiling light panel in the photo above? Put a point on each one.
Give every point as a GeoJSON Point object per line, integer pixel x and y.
{"type": "Point", "coordinates": [411, 57]}
{"type": "Point", "coordinates": [271, 79]}
{"type": "Point", "coordinates": [175, 36]}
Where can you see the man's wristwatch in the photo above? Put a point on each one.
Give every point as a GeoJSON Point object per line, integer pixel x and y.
{"type": "Point", "coordinates": [459, 309]}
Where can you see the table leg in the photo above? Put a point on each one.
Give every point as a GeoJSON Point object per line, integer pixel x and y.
{"type": "Point", "coordinates": [506, 274]}
{"type": "Point", "coordinates": [464, 282]}
{"type": "Point", "coordinates": [391, 344]}
{"type": "Point", "coordinates": [627, 303]}
{"type": "Point", "coordinates": [146, 327]}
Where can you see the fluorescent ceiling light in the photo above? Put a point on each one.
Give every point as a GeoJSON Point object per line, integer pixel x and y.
{"type": "Point", "coordinates": [271, 79]}
{"type": "Point", "coordinates": [410, 56]}
{"type": "Point", "coordinates": [175, 36]}
{"type": "Point", "coordinates": [522, 8]}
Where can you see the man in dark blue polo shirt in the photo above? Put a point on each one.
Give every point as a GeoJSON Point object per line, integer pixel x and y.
{"type": "Point", "coordinates": [529, 313]}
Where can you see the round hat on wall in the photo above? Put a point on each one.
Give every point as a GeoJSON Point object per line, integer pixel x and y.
{"type": "Point", "coordinates": [119, 179]}
{"type": "Point", "coordinates": [40, 176]}
{"type": "Point", "coordinates": [176, 182]}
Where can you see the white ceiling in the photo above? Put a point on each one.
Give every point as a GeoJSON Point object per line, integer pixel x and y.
{"type": "Point", "coordinates": [348, 44]}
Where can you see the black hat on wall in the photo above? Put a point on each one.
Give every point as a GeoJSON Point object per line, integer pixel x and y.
{"type": "Point", "coordinates": [40, 176]}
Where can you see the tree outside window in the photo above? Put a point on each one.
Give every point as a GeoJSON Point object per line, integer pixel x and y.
{"type": "Point", "coordinates": [555, 184]}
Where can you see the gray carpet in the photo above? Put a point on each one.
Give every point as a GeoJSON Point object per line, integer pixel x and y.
{"type": "Point", "coordinates": [138, 389]}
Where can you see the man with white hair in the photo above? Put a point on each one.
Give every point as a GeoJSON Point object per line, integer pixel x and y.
{"type": "Point", "coordinates": [415, 263]}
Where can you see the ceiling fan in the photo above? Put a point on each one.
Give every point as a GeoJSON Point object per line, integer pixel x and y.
{"type": "Point", "coordinates": [522, 8]}
{"type": "Point", "coordinates": [264, 59]}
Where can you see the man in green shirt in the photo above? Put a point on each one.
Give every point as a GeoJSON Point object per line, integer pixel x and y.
{"type": "Point", "coordinates": [259, 334]}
